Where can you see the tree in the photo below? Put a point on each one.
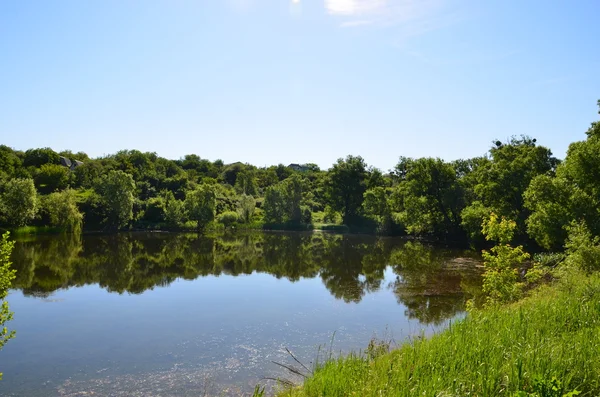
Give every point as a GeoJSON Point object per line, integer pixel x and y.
{"type": "Point", "coordinates": [431, 197]}
{"type": "Point", "coordinates": [499, 184]}
{"type": "Point", "coordinates": [583, 249]}
{"type": "Point", "coordinates": [200, 204]}
{"type": "Point", "coordinates": [9, 161]}
{"type": "Point", "coordinates": [573, 195]}
{"type": "Point", "coordinates": [19, 203]}
{"type": "Point", "coordinates": [376, 206]}
{"type": "Point", "coordinates": [245, 182]}
{"type": "Point", "coordinates": [52, 177]}
{"type": "Point", "coordinates": [116, 189]}
{"type": "Point", "coordinates": [246, 208]}
{"type": "Point", "coordinates": [502, 262]}
{"type": "Point", "coordinates": [63, 212]}
{"type": "Point", "coordinates": [174, 209]}
{"type": "Point", "coordinates": [38, 157]}
{"type": "Point", "coordinates": [6, 276]}
{"type": "Point", "coordinates": [345, 186]}
{"type": "Point", "coordinates": [283, 202]}
{"type": "Point", "coordinates": [274, 205]}
{"type": "Point", "coordinates": [293, 197]}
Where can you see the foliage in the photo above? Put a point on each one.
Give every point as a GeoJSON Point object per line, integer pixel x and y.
{"type": "Point", "coordinates": [499, 184]}
{"type": "Point", "coordinates": [52, 178]}
{"type": "Point", "coordinates": [346, 186]}
{"type": "Point", "coordinates": [376, 205]}
{"type": "Point", "coordinates": [502, 262]}
{"type": "Point", "coordinates": [9, 161]}
{"type": "Point", "coordinates": [582, 249]}
{"type": "Point", "coordinates": [19, 202]}
{"type": "Point", "coordinates": [245, 182]}
{"type": "Point", "coordinates": [174, 209]}
{"type": "Point", "coordinates": [246, 206]}
{"type": "Point", "coordinates": [6, 276]}
{"type": "Point", "coordinates": [573, 195]}
{"type": "Point", "coordinates": [550, 202]}
{"type": "Point", "coordinates": [473, 217]}
{"type": "Point", "coordinates": [155, 210]}
{"type": "Point", "coordinates": [39, 157]}
{"type": "Point", "coordinates": [431, 197]}
{"type": "Point", "coordinates": [116, 189]}
{"type": "Point", "coordinates": [228, 218]}
{"type": "Point", "coordinates": [200, 205]}
{"type": "Point", "coordinates": [63, 211]}
{"type": "Point", "coordinates": [284, 203]}
{"type": "Point", "coordinates": [274, 205]}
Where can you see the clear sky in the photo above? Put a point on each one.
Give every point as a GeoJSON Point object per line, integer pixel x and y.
{"type": "Point", "coordinates": [282, 81]}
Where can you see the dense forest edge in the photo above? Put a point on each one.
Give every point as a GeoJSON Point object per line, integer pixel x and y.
{"type": "Point", "coordinates": [533, 331]}
{"type": "Point", "coordinates": [44, 190]}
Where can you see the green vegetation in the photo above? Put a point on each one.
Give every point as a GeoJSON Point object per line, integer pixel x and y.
{"type": "Point", "coordinates": [7, 274]}
{"type": "Point", "coordinates": [427, 197]}
{"type": "Point", "coordinates": [546, 344]}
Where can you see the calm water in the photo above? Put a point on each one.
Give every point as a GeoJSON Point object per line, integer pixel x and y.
{"type": "Point", "coordinates": [177, 315]}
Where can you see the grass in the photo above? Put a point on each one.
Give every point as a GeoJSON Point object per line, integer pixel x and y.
{"type": "Point", "coordinates": [35, 230]}
{"type": "Point", "coordinates": [545, 345]}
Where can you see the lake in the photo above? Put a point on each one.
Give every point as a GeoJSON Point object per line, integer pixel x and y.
{"type": "Point", "coordinates": [163, 314]}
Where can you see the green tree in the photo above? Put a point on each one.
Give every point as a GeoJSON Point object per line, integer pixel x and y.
{"type": "Point", "coordinates": [6, 276]}
{"type": "Point", "coordinates": [246, 208]}
{"type": "Point", "coordinates": [502, 263]}
{"type": "Point", "coordinates": [63, 211]}
{"type": "Point", "coordinates": [274, 205]}
{"type": "Point", "coordinates": [200, 204]}
{"type": "Point", "coordinates": [116, 189]}
{"type": "Point", "coordinates": [174, 209]}
{"type": "Point", "coordinates": [86, 175]}
{"type": "Point", "coordinates": [551, 201]}
{"type": "Point", "coordinates": [499, 184]}
{"type": "Point", "coordinates": [245, 182]}
{"type": "Point", "coordinates": [345, 187]}
{"type": "Point", "coordinates": [9, 161]}
{"type": "Point", "coordinates": [283, 202]}
{"type": "Point", "coordinates": [293, 198]}
{"type": "Point", "coordinates": [583, 249]}
{"type": "Point", "coordinates": [19, 202]}
{"type": "Point", "coordinates": [431, 197]}
{"type": "Point", "coordinates": [376, 205]}
{"type": "Point", "coordinates": [38, 157]}
{"type": "Point", "coordinates": [573, 195]}
{"type": "Point", "coordinates": [52, 177]}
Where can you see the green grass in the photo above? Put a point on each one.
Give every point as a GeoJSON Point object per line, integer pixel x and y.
{"type": "Point", "coordinates": [35, 230]}
{"type": "Point", "coordinates": [550, 339]}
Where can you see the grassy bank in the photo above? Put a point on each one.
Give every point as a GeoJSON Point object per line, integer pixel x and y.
{"type": "Point", "coordinates": [545, 345]}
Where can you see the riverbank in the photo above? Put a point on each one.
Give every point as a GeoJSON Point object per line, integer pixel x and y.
{"type": "Point", "coordinates": [545, 345]}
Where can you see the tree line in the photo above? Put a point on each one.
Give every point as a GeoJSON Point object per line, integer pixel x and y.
{"type": "Point", "coordinates": [517, 179]}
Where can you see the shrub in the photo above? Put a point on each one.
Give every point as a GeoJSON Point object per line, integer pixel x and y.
{"type": "Point", "coordinates": [228, 218]}
{"type": "Point", "coordinates": [583, 250]}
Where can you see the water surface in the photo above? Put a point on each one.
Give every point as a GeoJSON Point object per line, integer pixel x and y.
{"type": "Point", "coordinates": [159, 314]}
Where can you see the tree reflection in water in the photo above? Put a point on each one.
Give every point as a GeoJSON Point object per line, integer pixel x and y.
{"type": "Point", "coordinates": [430, 281]}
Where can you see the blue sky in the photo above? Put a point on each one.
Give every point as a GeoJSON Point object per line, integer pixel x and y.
{"type": "Point", "coordinates": [282, 81]}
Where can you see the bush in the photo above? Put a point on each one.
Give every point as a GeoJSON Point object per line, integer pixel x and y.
{"type": "Point", "coordinates": [501, 277]}
{"type": "Point", "coordinates": [228, 218]}
{"type": "Point", "coordinates": [583, 250]}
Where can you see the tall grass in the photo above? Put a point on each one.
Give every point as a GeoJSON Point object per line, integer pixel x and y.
{"type": "Point", "coordinates": [545, 345]}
